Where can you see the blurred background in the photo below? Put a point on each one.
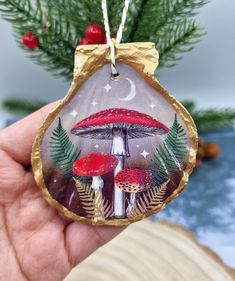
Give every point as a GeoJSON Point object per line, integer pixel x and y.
{"type": "Point", "coordinates": [203, 79]}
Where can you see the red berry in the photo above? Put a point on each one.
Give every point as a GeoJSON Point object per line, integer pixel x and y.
{"type": "Point", "coordinates": [94, 33]}
{"type": "Point", "coordinates": [104, 40]}
{"type": "Point", "coordinates": [84, 41]}
{"type": "Point", "coordinates": [30, 41]}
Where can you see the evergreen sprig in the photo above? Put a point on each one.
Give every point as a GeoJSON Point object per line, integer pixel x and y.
{"type": "Point", "coordinates": [57, 43]}
{"type": "Point", "coordinates": [22, 106]}
{"type": "Point", "coordinates": [172, 40]}
{"type": "Point", "coordinates": [172, 29]}
{"type": "Point", "coordinates": [63, 151]}
{"type": "Point", "coordinates": [209, 120]}
{"type": "Point", "coordinates": [168, 157]}
{"type": "Point", "coordinates": [59, 25]}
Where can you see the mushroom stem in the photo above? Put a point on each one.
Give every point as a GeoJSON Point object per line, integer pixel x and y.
{"type": "Point", "coordinates": [120, 149]}
{"type": "Point", "coordinates": [120, 142]}
{"type": "Point", "coordinates": [131, 203]}
{"type": "Point", "coordinates": [119, 199]}
{"type": "Point", "coordinates": [97, 185]}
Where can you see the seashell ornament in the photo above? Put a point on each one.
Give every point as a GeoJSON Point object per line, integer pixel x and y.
{"type": "Point", "coordinates": [118, 148]}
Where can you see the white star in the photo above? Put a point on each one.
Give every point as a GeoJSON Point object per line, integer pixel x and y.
{"type": "Point", "coordinates": [94, 103]}
{"type": "Point", "coordinates": [74, 113]}
{"type": "Point", "coordinates": [144, 153]}
{"type": "Point", "coordinates": [152, 105]}
{"type": "Point", "coordinates": [137, 146]}
{"type": "Point", "coordinates": [55, 180]}
{"type": "Point", "coordinates": [108, 88]}
{"type": "Point", "coordinates": [97, 146]}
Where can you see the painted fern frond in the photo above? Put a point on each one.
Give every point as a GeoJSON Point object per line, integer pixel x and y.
{"type": "Point", "coordinates": [94, 204]}
{"type": "Point", "coordinates": [62, 150]}
{"type": "Point", "coordinates": [150, 199]}
{"type": "Point", "coordinates": [108, 210]}
{"type": "Point", "coordinates": [87, 196]}
{"type": "Point", "coordinates": [176, 140]}
{"type": "Point", "coordinates": [103, 210]}
{"type": "Point", "coordinates": [169, 156]}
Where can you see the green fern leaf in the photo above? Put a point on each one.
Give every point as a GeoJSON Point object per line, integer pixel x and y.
{"type": "Point", "coordinates": [63, 151]}
{"type": "Point", "coordinates": [169, 156]}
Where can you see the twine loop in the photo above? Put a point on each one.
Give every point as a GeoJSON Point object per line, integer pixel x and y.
{"type": "Point", "coordinates": [113, 42]}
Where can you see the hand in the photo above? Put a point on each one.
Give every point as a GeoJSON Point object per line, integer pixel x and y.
{"type": "Point", "coordinates": [36, 243]}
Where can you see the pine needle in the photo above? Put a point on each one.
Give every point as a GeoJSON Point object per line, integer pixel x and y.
{"type": "Point", "coordinates": [59, 25]}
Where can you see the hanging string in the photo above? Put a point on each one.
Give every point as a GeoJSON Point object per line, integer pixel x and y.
{"type": "Point", "coordinates": [112, 42]}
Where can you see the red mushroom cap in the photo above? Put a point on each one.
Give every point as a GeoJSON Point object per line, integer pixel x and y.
{"type": "Point", "coordinates": [94, 164]}
{"type": "Point", "coordinates": [100, 124]}
{"type": "Point", "coordinates": [133, 180]}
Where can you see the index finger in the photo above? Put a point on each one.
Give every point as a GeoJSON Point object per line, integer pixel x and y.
{"type": "Point", "coordinates": [17, 140]}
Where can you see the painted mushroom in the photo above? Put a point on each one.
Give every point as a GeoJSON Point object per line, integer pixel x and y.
{"type": "Point", "coordinates": [133, 180]}
{"type": "Point", "coordinates": [95, 165]}
{"type": "Point", "coordinates": [119, 125]}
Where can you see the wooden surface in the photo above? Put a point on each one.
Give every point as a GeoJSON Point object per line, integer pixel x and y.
{"type": "Point", "coordinates": [149, 251]}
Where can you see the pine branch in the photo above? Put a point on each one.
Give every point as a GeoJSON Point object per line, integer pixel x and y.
{"type": "Point", "coordinates": [55, 50]}
{"type": "Point", "coordinates": [169, 24]}
{"type": "Point", "coordinates": [59, 25]}
{"type": "Point", "coordinates": [21, 106]}
{"type": "Point", "coordinates": [174, 10]}
{"type": "Point", "coordinates": [77, 14]}
{"type": "Point", "coordinates": [138, 13]}
{"type": "Point", "coordinates": [175, 39]}
{"type": "Point", "coordinates": [63, 152]}
{"type": "Point", "coordinates": [189, 105]}
{"type": "Point", "coordinates": [213, 120]}
{"type": "Point", "coordinates": [114, 13]}
{"type": "Point", "coordinates": [168, 157]}
{"type": "Point", "coordinates": [209, 120]}
{"type": "Point", "coordinates": [156, 16]}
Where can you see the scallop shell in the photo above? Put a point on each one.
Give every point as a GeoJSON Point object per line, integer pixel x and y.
{"type": "Point", "coordinates": [110, 125]}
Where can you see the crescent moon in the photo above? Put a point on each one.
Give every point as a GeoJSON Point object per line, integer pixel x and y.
{"type": "Point", "coordinates": [132, 93]}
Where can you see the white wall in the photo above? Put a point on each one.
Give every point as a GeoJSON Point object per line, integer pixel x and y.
{"type": "Point", "coordinates": [206, 74]}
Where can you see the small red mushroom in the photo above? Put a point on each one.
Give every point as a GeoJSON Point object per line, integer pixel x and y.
{"type": "Point", "coordinates": [133, 180]}
{"type": "Point", "coordinates": [119, 125]}
{"type": "Point", "coordinates": [95, 165]}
